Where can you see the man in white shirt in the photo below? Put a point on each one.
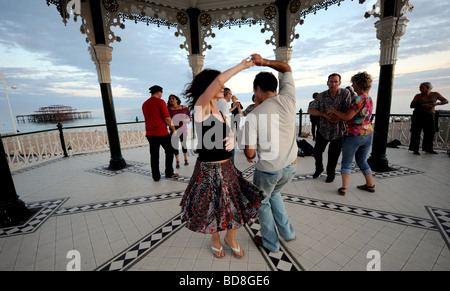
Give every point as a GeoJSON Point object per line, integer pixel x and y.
{"type": "Point", "coordinates": [270, 134]}
{"type": "Point", "coordinates": [222, 105]}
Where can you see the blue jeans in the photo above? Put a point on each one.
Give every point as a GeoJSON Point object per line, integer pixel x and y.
{"type": "Point", "coordinates": [358, 147]}
{"type": "Point", "coordinates": [272, 210]}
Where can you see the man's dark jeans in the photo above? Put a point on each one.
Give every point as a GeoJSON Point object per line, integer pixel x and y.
{"type": "Point", "coordinates": [155, 143]}
{"type": "Point", "coordinates": [334, 151]}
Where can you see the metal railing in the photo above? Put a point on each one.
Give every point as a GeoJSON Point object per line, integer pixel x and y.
{"type": "Point", "coordinates": [399, 128]}
{"type": "Point", "coordinates": [29, 149]}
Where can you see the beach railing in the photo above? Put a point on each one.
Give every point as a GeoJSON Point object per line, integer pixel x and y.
{"type": "Point", "coordinates": [25, 150]}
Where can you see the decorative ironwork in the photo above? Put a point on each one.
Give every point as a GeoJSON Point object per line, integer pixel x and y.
{"type": "Point", "coordinates": [205, 19]}
{"type": "Point", "coordinates": [401, 9]}
{"type": "Point", "coordinates": [147, 19]}
{"type": "Point", "coordinates": [182, 18]}
{"type": "Point", "coordinates": [111, 5]}
{"type": "Point", "coordinates": [319, 6]}
{"type": "Point", "coordinates": [270, 12]}
{"type": "Point", "coordinates": [295, 6]}
{"type": "Point", "coordinates": [237, 22]}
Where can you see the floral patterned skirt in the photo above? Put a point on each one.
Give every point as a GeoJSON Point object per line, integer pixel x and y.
{"type": "Point", "coordinates": [218, 198]}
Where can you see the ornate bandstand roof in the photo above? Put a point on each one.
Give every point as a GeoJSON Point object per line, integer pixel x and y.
{"type": "Point", "coordinates": [185, 15]}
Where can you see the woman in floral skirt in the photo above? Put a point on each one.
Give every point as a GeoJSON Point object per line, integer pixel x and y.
{"type": "Point", "coordinates": [218, 197]}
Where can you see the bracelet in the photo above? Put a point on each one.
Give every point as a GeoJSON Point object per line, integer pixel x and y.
{"type": "Point", "coordinates": [267, 62]}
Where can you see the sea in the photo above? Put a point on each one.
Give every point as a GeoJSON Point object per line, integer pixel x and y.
{"type": "Point", "coordinates": [98, 118]}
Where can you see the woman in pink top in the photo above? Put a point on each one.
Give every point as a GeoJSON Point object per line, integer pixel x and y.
{"type": "Point", "coordinates": [180, 118]}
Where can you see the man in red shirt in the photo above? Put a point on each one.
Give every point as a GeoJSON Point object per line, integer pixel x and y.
{"type": "Point", "coordinates": [157, 118]}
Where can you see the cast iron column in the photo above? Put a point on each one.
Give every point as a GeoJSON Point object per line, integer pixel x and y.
{"type": "Point", "coordinates": [196, 59]}
{"type": "Point", "coordinates": [389, 31]}
{"type": "Point", "coordinates": [12, 209]}
{"type": "Point", "coordinates": [101, 55]}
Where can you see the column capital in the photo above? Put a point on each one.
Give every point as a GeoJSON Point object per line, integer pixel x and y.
{"type": "Point", "coordinates": [101, 55]}
{"type": "Point", "coordinates": [196, 62]}
{"type": "Point", "coordinates": [283, 54]}
{"type": "Point", "coordinates": [389, 32]}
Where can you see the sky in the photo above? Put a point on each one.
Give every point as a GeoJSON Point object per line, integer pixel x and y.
{"type": "Point", "coordinates": [49, 62]}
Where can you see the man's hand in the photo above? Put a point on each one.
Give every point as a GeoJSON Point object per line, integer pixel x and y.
{"type": "Point", "coordinates": [258, 60]}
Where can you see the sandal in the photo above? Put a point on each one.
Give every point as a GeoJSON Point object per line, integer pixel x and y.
{"type": "Point", "coordinates": [174, 175]}
{"type": "Point", "coordinates": [341, 191]}
{"type": "Point", "coordinates": [220, 251]}
{"type": "Point", "coordinates": [367, 188]}
{"type": "Point", "coordinates": [238, 253]}
{"type": "Point", "coordinates": [186, 163]}
{"type": "Point", "coordinates": [178, 165]}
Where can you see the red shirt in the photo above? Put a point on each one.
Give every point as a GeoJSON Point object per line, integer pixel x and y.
{"type": "Point", "coordinates": [155, 110]}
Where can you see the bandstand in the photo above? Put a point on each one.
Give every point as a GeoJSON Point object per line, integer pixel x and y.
{"type": "Point", "coordinates": [194, 21]}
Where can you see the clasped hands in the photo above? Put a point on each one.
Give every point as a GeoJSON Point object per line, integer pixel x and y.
{"type": "Point", "coordinates": [331, 115]}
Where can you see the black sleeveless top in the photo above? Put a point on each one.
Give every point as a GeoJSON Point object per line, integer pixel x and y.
{"type": "Point", "coordinates": [210, 146]}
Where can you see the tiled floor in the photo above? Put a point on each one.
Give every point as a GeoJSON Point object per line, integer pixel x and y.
{"type": "Point", "coordinates": [124, 221]}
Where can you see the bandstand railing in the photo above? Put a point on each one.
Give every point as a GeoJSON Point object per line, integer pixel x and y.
{"type": "Point", "coordinates": [399, 128]}
{"type": "Point", "coordinates": [30, 149]}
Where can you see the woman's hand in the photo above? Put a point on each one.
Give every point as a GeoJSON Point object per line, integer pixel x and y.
{"type": "Point", "coordinates": [229, 143]}
{"type": "Point", "coordinates": [247, 63]}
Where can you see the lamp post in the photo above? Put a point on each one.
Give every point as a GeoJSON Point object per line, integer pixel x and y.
{"type": "Point", "coordinates": [7, 98]}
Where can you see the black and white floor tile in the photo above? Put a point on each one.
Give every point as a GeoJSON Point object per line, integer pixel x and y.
{"type": "Point", "coordinates": [441, 218]}
{"type": "Point", "coordinates": [138, 250]}
{"type": "Point", "coordinates": [279, 261]}
{"type": "Point", "coordinates": [118, 203]}
{"type": "Point", "coordinates": [364, 212]}
{"type": "Point", "coordinates": [105, 171]}
{"type": "Point", "coordinates": [46, 209]}
{"type": "Point", "coordinates": [396, 171]}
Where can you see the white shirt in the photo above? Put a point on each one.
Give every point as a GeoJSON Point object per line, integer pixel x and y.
{"type": "Point", "coordinates": [271, 127]}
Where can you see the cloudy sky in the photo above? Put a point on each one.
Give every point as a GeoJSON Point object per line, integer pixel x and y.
{"type": "Point", "coordinates": [49, 62]}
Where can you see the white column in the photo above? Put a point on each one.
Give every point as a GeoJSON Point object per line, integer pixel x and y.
{"type": "Point", "coordinates": [196, 62]}
{"type": "Point", "coordinates": [101, 55]}
{"type": "Point", "coordinates": [389, 32]}
{"type": "Point", "coordinates": [283, 54]}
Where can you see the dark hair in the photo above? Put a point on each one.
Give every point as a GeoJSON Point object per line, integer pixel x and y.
{"type": "Point", "coordinates": [266, 81]}
{"type": "Point", "coordinates": [199, 85]}
{"type": "Point", "coordinates": [334, 74]}
{"type": "Point", "coordinates": [174, 96]}
{"type": "Point", "coordinates": [226, 91]}
{"type": "Point", "coordinates": [155, 89]}
{"type": "Point", "coordinates": [315, 95]}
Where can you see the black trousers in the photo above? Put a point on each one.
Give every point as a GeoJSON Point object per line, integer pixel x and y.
{"type": "Point", "coordinates": [155, 143]}
{"type": "Point", "coordinates": [176, 150]}
{"type": "Point", "coordinates": [419, 122]}
{"type": "Point", "coordinates": [334, 151]}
